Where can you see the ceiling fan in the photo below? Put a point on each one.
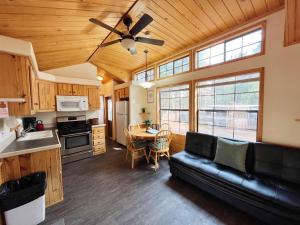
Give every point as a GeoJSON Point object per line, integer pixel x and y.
{"type": "Point", "coordinates": [128, 37]}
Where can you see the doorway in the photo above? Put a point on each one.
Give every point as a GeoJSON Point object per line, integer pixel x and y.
{"type": "Point", "coordinates": [109, 116]}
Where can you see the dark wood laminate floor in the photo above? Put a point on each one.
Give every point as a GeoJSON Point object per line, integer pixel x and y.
{"type": "Point", "coordinates": [104, 190]}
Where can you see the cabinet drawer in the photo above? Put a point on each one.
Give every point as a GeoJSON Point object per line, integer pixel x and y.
{"type": "Point", "coordinates": [98, 136]}
{"type": "Point", "coordinates": [98, 142]}
{"type": "Point", "coordinates": [98, 130]}
{"type": "Point", "coordinates": [99, 149]}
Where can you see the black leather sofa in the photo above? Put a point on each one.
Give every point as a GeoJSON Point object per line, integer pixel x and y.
{"type": "Point", "coordinates": [269, 190]}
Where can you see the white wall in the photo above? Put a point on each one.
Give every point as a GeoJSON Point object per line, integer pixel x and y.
{"type": "Point", "coordinates": [82, 71]}
{"type": "Point", "coordinates": [137, 100]}
{"type": "Point", "coordinates": [282, 83]}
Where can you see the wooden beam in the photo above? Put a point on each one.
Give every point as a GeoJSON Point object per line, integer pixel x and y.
{"type": "Point", "coordinates": [292, 22]}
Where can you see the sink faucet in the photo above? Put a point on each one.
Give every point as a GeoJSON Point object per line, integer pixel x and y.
{"type": "Point", "coordinates": [24, 132]}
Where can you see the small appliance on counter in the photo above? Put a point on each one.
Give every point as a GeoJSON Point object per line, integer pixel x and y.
{"type": "Point", "coordinates": [39, 125]}
{"type": "Point", "coordinates": [94, 121]}
{"type": "Point", "coordinates": [29, 123]}
{"type": "Point", "coordinates": [75, 135]}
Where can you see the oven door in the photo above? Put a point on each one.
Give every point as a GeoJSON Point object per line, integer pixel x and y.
{"type": "Point", "coordinates": [72, 143]}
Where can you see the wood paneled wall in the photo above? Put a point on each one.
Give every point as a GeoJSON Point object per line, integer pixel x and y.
{"type": "Point", "coordinates": [292, 22]}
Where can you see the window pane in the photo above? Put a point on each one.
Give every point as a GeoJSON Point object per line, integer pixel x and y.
{"type": "Point", "coordinates": [177, 70]}
{"type": "Point", "coordinates": [176, 113]}
{"type": "Point", "coordinates": [252, 38]}
{"type": "Point", "coordinates": [252, 49]}
{"type": "Point", "coordinates": [186, 60]}
{"type": "Point", "coordinates": [217, 50]}
{"type": "Point", "coordinates": [178, 63]}
{"type": "Point", "coordinates": [229, 107]}
{"type": "Point", "coordinates": [217, 59]}
{"type": "Point", "coordinates": [234, 44]}
{"type": "Point", "coordinates": [235, 54]}
{"type": "Point", "coordinates": [204, 54]}
{"type": "Point", "coordinates": [170, 66]}
{"type": "Point", "coordinates": [203, 63]}
{"type": "Point", "coordinates": [163, 68]}
{"type": "Point", "coordinates": [186, 68]}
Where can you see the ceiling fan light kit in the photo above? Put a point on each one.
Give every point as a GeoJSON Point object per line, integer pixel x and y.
{"type": "Point", "coordinates": [129, 37]}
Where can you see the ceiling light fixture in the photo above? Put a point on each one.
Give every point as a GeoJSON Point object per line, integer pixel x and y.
{"type": "Point", "coordinates": [145, 84]}
{"type": "Point", "coordinates": [100, 78]}
{"type": "Point", "coordinates": [128, 43]}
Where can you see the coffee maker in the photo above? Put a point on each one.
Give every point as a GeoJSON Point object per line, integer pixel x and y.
{"type": "Point", "coordinates": [29, 123]}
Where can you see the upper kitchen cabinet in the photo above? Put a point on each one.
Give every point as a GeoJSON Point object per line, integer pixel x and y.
{"type": "Point", "coordinates": [94, 97]}
{"type": "Point", "coordinates": [79, 90]}
{"type": "Point", "coordinates": [64, 89]}
{"type": "Point", "coordinates": [16, 82]}
{"type": "Point", "coordinates": [47, 93]}
{"type": "Point", "coordinates": [71, 89]}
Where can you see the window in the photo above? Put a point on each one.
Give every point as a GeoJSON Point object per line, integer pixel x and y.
{"type": "Point", "coordinates": [236, 48]}
{"type": "Point", "coordinates": [143, 76]}
{"type": "Point", "coordinates": [229, 107]}
{"type": "Point", "coordinates": [174, 108]}
{"type": "Point", "coordinates": [174, 67]}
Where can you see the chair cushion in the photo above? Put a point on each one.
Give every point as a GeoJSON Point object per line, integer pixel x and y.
{"type": "Point", "coordinates": [200, 144]}
{"type": "Point", "coordinates": [161, 143]}
{"type": "Point", "coordinates": [139, 144]}
{"type": "Point", "coordinates": [277, 161]}
{"type": "Point", "coordinates": [232, 154]}
{"type": "Point", "coordinates": [262, 189]}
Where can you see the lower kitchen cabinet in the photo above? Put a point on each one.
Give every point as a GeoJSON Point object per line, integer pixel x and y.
{"type": "Point", "coordinates": [98, 140]}
{"type": "Point", "coordinates": [48, 160]}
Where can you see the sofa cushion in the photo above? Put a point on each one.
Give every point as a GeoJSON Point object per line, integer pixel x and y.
{"type": "Point", "coordinates": [256, 188]}
{"type": "Point", "coordinates": [277, 161]}
{"type": "Point", "coordinates": [232, 154]}
{"type": "Point", "coordinates": [200, 144]}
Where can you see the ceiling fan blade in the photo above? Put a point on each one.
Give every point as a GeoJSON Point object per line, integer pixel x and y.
{"type": "Point", "coordinates": [110, 43]}
{"type": "Point", "coordinates": [133, 51]}
{"type": "Point", "coordinates": [150, 41]}
{"type": "Point", "coordinates": [98, 22]}
{"type": "Point", "coordinates": [141, 24]}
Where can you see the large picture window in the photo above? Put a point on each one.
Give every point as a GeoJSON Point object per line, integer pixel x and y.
{"type": "Point", "coordinates": [174, 67]}
{"type": "Point", "coordinates": [145, 76]}
{"type": "Point", "coordinates": [245, 45]}
{"type": "Point", "coordinates": [229, 107]}
{"type": "Point", "coordinates": [174, 107]}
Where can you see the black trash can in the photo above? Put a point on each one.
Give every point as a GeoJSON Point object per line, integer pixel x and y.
{"type": "Point", "coordinates": [23, 200]}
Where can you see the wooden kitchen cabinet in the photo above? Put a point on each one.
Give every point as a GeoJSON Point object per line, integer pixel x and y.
{"type": "Point", "coordinates": [48, 161]}
{"type": "Point", "coordinates": [47, 96]}
{"type": "Point", "coordinates": [64, 89]}
{"type": "Point", "coordinates": [79, 90]}
{"type": "Point", "coordinates": [98, 140]}
{"type": "Point", "coordinates": [126, 92]}
{"type": "Point", "coordinates": [94, 97]}
{"type": "Point", "coordinates": [15, 82]}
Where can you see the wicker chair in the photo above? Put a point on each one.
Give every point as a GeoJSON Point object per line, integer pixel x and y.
{"type": "Point", "coordinates": [161, 146]}
{"type": "Point", "coordinates": [137, 149]}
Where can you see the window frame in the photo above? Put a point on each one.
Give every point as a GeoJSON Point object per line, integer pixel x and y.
{"type": "Point", "coordinates": [229, 37]}
{"type": "Point", "coordinates": [158, 109]}
{"type": "Point", "coordinates": [239, 73]}
{"type": "Point", "coordinates": [142, 71]}
{"type": "Point", "coordinates": [186, 54]}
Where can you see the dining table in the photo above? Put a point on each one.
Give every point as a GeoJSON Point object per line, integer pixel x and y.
{"type": "Point", "coordinates": [142, 134]}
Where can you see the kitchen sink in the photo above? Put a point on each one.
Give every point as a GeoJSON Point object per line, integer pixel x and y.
{"type": "Point", "coordinates": [36, 135]}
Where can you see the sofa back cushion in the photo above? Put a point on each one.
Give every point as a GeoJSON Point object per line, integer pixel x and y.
{"type": "Point", "coordinates": [200, 144]}
{"type": "Point", "coordinates": [232, 154]}
{"type": "Point", "coordinates": [277, 161]}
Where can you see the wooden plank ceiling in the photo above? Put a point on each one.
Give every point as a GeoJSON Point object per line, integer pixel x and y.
{"type": "Point", "coordinates": [62, 35]}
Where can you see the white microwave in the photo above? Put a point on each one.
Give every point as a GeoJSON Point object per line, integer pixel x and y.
{"type": "Point", "coordinates": [72, 103]}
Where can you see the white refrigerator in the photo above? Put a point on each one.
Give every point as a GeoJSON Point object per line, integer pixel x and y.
{"type": "Point", "coordinates": [121, 120]}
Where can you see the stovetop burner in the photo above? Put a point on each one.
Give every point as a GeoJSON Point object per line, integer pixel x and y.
{"type": "Point", "coordinates": [71, 125]}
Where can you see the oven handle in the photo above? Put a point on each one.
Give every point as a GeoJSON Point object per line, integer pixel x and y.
{"type": "Point", "coordinates": [77, 134]}
{"type": "Point", "coordinates": [75, 154]}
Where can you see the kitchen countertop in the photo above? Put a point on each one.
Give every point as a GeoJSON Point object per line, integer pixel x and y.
{"type": "Point", "coordinates": [99, 125]}
{"type": "Point", "coordinates": [30, 146]}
